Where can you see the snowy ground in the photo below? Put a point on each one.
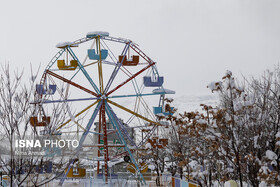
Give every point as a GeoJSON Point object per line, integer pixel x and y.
{"type": "Point", "coordinates": [190, 103]}
{"type": "Point", "coordinates": [184, 103]}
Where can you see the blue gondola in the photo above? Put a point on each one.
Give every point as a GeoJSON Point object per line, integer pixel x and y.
{"type": "Point", "coordinates": [158, 110]}
{"type": "Point", "coordinates": [50, 91]}
{"type": "Point", "coordinates": [162, 107]}
{"type": "Point", "coordinates": [149, 82]}
{"type": "Point", "coordinates": [94, 56]}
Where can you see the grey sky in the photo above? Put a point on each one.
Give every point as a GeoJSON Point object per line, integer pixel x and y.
{"type": "Point", "coordinates": [193, 41]}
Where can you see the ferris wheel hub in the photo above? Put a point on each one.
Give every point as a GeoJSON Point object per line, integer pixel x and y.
{"type": "Point", "coordinates": [103, 97]}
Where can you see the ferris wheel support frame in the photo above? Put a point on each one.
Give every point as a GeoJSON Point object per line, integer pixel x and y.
{"type": "Point", "coordinates": [70, 165]}
{"type": "Point", "coordinates": [114, 119]}
{"type": "Point", "coordinates": [102, 98]}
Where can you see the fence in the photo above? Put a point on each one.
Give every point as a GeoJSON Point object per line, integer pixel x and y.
{"type": "Point", "coordinates": [119, 181]}
{"type": "Point", "coordinates": [177, 182]}
{"type": "Point", "coordinates": [124, 180]}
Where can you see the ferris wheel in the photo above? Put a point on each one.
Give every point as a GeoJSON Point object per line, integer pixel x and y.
{"type": "Point", "coordinates": [103, 82]}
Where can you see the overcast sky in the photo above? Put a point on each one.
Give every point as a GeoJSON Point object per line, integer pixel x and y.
{"type": "Point", "coordinates": [193, 41]}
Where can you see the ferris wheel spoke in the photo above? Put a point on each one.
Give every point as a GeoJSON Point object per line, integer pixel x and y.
{"type": "Point", "coordinates": [134, 95]}
{"type": "Point", "coordinates": [134, 113]}
{"type": "Point", "coordinates": [130, 78]}
{"type": "Point", "coordinates": [67, 100]}
{"type": "Point", "coordinates": [117, 68]}
{"type": "Point", "coordinates": [78, 114]}
{"type": "Point", "coordinates": [111, 54]}
{"type": "Point", "coordinates": [83, 63]}
{"type": "Point", "coordinates": [99, 65]}
{"type": "Point", "coordinates": [84, 71]}
{"type": "Point", "coordinates": [70, 82]}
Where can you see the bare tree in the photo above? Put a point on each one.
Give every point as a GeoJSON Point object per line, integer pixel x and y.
{"type": "Point", "coordinates": [16, 110]}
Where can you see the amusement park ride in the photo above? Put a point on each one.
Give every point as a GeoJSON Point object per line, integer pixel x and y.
{"type": "Point", "coordinates": [112, 69]}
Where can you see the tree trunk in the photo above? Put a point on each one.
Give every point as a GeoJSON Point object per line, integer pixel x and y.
{"type": "Point", "coordinates": [12, 159]}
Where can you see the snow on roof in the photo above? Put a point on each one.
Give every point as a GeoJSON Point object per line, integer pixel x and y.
{"type": "Point", "coordinates": [97, 33]}
{"type": "Point", "coordinates": [65, 44]}
{"type": "Point", "coordinates": [163, 90]}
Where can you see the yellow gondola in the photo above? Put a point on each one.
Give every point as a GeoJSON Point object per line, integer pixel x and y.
{"type": "Point", "coordinates": [81, 172]}
{"type": "Point", "coordinates": [61, 65]}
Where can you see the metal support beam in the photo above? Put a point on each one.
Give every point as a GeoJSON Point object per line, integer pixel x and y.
{"type": "Point", "coordinates": [70, 82]}
{"type": "Point", "coordinates": [141, 53]}
{"type": "Point", "coordinates": [119, 40]}
{"type": "Point", "coordinates": [83, 70]}
{"type": "Point", "coordinates": [149, 134]}
{"type": "Point", "coordinates": [117, 68]}
{"type": "Point", "coordinates": [54, 59]}
{"type": "Point", "coordinates": [105, 150]}
{"type": "Point", "coordinates": [85, 109]}
{"type": "Point", "coordinates": [135, 95]}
